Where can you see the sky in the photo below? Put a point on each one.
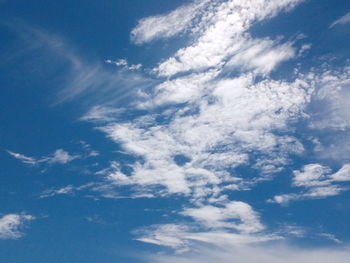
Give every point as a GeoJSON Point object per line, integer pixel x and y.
{"type": "Point", "coordinates": [191, 131]}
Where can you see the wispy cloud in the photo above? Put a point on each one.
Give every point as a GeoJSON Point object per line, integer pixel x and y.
{"type": "Point", "coordinates": [342, 20]}
{"type": "Point", "coordinates": [100, 113]}
{"type": "Point", "coordinates": [11, 224]}
{"type": "Point", "coordinates": [66, 190]}
{"type": "Point", "coordinates": [79, 77]}
{"type": "Point", "coordinates": [60, 156]}
{"type": "Point", "coordinates": [23, 158]}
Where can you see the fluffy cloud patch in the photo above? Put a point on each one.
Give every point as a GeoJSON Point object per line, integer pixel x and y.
{"type": "Point", "coordinates": [11, 224]}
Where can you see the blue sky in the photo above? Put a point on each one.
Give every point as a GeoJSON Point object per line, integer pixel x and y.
{"type": "Point", "coordinates": [174, 131]}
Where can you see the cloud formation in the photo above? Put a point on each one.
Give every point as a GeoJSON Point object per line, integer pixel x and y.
{"type": "Point", "coordinates": [224, 119]}
{"type": "Point", "coordinates": [219, 121]}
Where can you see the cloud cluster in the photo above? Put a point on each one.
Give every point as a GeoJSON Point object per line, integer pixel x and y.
{"type": "Point", "coordinates": [318, 181]}
{"type": "Point", "coordinates": [211, 122]}
{"type": "Point", "coordinates": [222, 112]}
{"type": "Point", "coordinates": [223, 38]}
{"type": "Point", "coordinates": [213, 109]}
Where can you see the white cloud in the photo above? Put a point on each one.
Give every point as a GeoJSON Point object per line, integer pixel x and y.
{"type": "Point", "coordinates": [232, 224]}
{"type": "Point", "coordinates": [169, 235]}
{"type": "Point", "coordinates": [330, 108]}
{"type": "Point", "coordinates": [330, 237]}
{"type": "Point", "coordinates": [222, 217]}
{"type": "Point", "coordinates": [261, 56]}
{"type": "Point", "coordinates": [60, 156]}
{"type": "Point", "coordinates": [334, 146]}
{"type": "Point", "coordinates": [237, 116]}
{"type": "Point", "coordinates": [223, 111]}
{"type": "Point", "coordinates": [168, 25]}
{"type": "Point", "coordinates": [343, 20]}
{"type": "Point", "coordinates": [180, 90]}
{"type": "Point", "coordinates": [318, 181]}
{"type": "Point", "coordinates": [311, 175]}
{"type": "Point", "coordinates": [224, 35]}
{"type": "Point", "coordinates": [67, 190]}
{"type": "Point", "coordinates": [183, 238]}
{"type": "Point", "coordinates": [11, 224]}
{"type": "Point", "coordinates": [224, 119]}
{"type": "Point", "coordinates": [342, 175]}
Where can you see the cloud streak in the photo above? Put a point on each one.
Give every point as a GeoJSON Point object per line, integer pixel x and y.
{"type": "Point", "coordinates": [60, 156]}
{"type": "Point", "coordinates": [341, 21]}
